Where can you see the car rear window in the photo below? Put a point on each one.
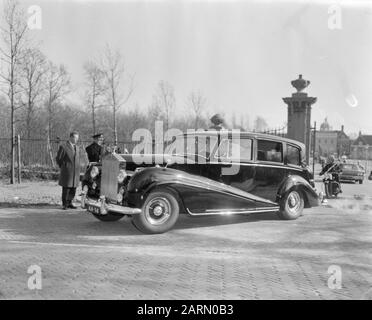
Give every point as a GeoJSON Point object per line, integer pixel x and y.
{"type": "Point", "coordinates": [269, 151]}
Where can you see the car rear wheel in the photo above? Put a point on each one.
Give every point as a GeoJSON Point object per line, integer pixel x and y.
{"type": "Point", "coordinates": [292, 205]}
{"type": "Point", "coordinates": [109, 217]}
{"type": "Point", "coordinates": [159, 213]}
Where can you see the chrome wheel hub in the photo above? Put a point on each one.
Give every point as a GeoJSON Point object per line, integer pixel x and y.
{"type": "Point", "coordinates": [158, 210]}
{"type": "Point", "coordinates": [294, 202]}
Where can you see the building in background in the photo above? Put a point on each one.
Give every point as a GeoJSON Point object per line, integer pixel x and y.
{"type": "Point", "coordinates": [329, 141]}
{"type": "Point", "coordinates": [361, 147]}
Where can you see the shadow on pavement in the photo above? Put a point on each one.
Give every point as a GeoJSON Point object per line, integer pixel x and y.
{"type": "Point", "coordinates": [30, 205]}
{"type": "Point", "coordinates": [50, 221]}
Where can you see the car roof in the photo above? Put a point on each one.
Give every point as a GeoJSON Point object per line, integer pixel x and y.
{"type": "Point", "coordinates": [245, 134]}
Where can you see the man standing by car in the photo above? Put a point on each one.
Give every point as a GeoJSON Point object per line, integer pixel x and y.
{"type": "Point", "coordinates": [68, 161]}
{"type": "Point", "coordinates": [217, 122]}
{"type": "Point", "coordinates": [95, 149]}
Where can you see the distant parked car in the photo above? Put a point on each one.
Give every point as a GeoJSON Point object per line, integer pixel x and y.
{"type": "Point", "coordinates": [351, 173]}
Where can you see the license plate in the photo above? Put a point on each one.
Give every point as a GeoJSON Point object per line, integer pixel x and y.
{"type": "Point", "coordinates": [93, 209]}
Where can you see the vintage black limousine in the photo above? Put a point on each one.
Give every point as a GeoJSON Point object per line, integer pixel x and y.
{"type": "Point", "coordinates": [201, 174]}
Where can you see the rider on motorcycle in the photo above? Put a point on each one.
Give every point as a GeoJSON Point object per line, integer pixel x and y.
{"type": "Point", "coordinates": [332, 178]}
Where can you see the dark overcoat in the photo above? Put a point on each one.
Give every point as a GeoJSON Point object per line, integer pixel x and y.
{"type": "Point", "coordinates": [94, 152]}
{"type": "Point", "coordinates": [68, 161]}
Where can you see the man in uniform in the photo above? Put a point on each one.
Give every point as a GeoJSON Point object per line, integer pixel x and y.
{"type": "Point", "coordinates": [68, 161]}
{"type": "Point", "coordinates": [95, 149]}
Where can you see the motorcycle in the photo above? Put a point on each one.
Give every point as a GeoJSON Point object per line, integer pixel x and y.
{"type": "Point", "coordinates": [332, 185]}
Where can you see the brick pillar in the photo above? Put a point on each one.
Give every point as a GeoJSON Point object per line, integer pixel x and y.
{"type": "Point", "coordinates": [299, 114]}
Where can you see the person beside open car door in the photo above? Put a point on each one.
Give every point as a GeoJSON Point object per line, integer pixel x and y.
{"type": "Point", "coordinates": [217, 122]}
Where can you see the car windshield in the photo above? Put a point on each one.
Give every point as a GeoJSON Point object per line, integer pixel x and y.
{"type": "Point", "coordinates": [350, 167]}
{"type": "Point", "coordinates": [192, 145]}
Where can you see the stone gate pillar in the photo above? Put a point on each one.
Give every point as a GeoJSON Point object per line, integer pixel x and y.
{"type": "Point", "coordinates": [299, 114]}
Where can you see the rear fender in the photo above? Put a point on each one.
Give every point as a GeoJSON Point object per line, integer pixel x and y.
{"type": "Point", "coordinates": [295, 182]}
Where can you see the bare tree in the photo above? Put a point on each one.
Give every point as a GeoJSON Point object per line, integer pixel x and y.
{"type": "Point", "coordinates": [14, 36]}
{"type": "Point", "coordinates": [119, 84]}
{"type": "Point", "coordinates": [165, 101]}
{"type": "Point", "coordinates": [94, 77]}
{"type": "Point", "coordinates": [196, 102]}
{"type": "Point", "coordinates": [244, 122]}
{"type": "Point", "coordinates": [57, 86]}
{"type": "Point", "coordinates": [32, 75]}
{"type": "Point", "coordinates": [260, 124]}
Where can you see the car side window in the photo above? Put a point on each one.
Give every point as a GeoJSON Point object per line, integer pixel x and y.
{"type": "Point", "coordinates": [233, 150]}
{"type": "Point", "coordinates": [293, 155]}
{"type": "Point", "coordinates": [269, 151]}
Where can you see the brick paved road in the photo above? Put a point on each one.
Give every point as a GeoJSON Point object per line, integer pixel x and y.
{"type": "Point", "coordinates": [236, 257]}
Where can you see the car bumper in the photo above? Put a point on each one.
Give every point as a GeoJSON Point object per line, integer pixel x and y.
{"type": "Point", "coordinates": [100, 206]}
{"type": "Point", "coordinates": [350, 178]}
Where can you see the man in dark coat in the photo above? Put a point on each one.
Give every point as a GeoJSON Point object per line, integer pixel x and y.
{"type": "Point", "coordinates": [68, 161]}
{"type": "Point", "coordinates": [95, 149]}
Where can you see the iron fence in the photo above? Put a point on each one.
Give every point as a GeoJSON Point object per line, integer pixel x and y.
{"type": "Point", "coordinates": [280, 132]}
{"type": "Point", "coordinates": [42, 153]}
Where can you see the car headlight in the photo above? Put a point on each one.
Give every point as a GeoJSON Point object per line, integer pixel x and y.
{"type": "Point", "coordinates": [94, 172]}
{"type": "Point", "coordinates": [119, 198]}
{"type": "Point", "coordinates": [121, 176]}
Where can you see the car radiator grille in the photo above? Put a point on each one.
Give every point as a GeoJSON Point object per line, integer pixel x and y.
{"type": "Point", "coordinates": [109, 185]}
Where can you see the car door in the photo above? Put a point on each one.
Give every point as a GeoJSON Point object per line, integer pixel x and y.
{"type": "Point", "coordinates": [234, 162]}
{"type": "Point", "coordinates": [293, 160]}
{"type": "Point", "coordinates": [235, 159]}
{"type": "Point", "coordinates": [270, 168]}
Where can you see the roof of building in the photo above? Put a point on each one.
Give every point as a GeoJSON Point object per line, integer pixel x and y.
{"type": "Point", "coordinates": [338, 133]}
{"type": "Point", "coordinates": [365, 139]}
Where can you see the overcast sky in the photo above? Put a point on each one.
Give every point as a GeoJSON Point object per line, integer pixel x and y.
{"type": "Point", "coordinates": [241, 54]}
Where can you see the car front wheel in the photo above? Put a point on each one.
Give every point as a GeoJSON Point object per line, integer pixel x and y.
{"type": "Point", "coordinates": [159, 213]}
{"type": "Point", "coordinates": [292, 205]}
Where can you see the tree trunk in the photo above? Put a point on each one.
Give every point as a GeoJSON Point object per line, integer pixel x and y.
{"type": "Point", "coordinates": [93, 120]}
{"type": "Point", "coordinates": [115, 129]}
{"type": "Point", "coordinates": [12, 130]}
{"type": "Point", "coordinates": [12, 153]}
{"type": "Point", "coordinates": [49, 151]}
{"type": "Point", "coordinates": [28, 125]}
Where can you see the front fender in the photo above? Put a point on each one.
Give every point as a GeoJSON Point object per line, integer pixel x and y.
{"type": "Point", "coordinates": [295, 182]}
{"type": "Point", "coordinates": [142, 182]}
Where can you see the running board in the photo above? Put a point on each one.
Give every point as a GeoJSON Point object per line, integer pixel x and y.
{"type": "Point", "coordinates": [235, 211]}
